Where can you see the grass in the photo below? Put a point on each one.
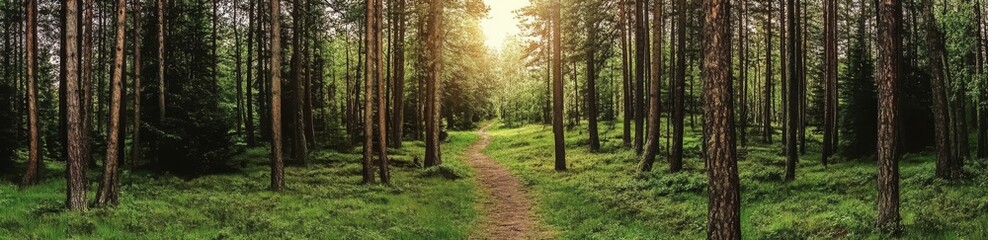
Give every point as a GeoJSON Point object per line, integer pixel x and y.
{"type": "Point", "coordinates": [324, 200]}
{"type": "Point", "coordinates": [602, 196]}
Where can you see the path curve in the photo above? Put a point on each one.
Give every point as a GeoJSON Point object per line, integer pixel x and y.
{"type": "Point", "coordinates": [507, 212]}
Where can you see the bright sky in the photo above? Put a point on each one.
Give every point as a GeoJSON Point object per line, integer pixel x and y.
{"type": "Point", "coordinates": [501, 22]}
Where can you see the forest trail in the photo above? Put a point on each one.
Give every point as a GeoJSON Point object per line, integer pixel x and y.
{"type": "Point", "coordinates": [507, 211]}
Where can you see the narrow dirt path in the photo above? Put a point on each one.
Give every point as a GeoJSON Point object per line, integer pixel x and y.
{"type": "Point", "coordinates": [507, 211]}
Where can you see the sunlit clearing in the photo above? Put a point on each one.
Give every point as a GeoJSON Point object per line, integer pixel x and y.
{"type": "Point", "coordinates": [500, 22]}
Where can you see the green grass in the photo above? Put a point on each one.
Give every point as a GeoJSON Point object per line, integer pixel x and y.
{"type": "Point", "coordinates": [324, 200]}
{"type": "Point", "coordinates": [603, 197]}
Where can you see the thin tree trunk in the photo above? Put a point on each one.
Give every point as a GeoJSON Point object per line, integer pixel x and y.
{"type": "Point", "coordinates": [654, 91]}
{"type": "Point", "coordinates": [398, 123]}
{"type": "Point", "coordinates": [792, 117]}
{"type": "Point", "coordinates": [639, 85]}
{"type": "Point", "coordinates": [947, 166]}
{"type": "Point", "coordinates": [830, 80]}
{"type": "Point", "coordinates": [724, 213]}
{"type": "Point", "coordinates": [109, 189]}
{"type": "Point", "coordinates": [250, 83]}
{"type": "Point", "coordinates": [592, 90]}
{"type": "Point", "coordinates": [161, 60]}
{"type": "Point", "coordinates": [889, 76]}
{"type": "Point", "coordinates": [767, 124]}
{"type": "Point", "coordinates": [34, 164]}
{"type": "Point", "coordinates": [277, 162]}
{"type": "Point", "coordinates": [625, 73]}
{"type": "Point", "coordinates": [135, 148]}
{"type": "Point", "coordinates": [382, 100]}
{"type": "Point", "coordinates": [679, 92]}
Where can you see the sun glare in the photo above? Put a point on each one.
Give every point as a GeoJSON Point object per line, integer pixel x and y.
{"type": "Point", "coordinates": [501, 22]}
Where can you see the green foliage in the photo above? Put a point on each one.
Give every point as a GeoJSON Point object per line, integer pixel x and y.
{"type": "Point", "coordinates": [859, 113]}
{"type": "Point", "coordinates": [603, 197]}
{"type": "Point", "coordinates": [323, 201]}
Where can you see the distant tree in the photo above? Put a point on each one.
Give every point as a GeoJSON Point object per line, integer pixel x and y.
{"type": "Point", "coordinates": [161, 59]}
{"type": "Point", "coordinates": [135, 148]}
{"type": "Point", "coordinates": [889, 76]}
{"type": "Point", "coordinates": [859, 116]}
{"type": "Point", "coordinates": [767, 129]}
{"type": "Point", "coordinates": [724, 213]}
{"type": "Point", "coordinates": [34, 165]}
{"type": "Point", "coordinates": [398, 93]}
{"type": "Point", "coordinates": [277, 162]}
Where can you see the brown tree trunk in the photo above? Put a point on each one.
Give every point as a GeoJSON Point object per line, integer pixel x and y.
{"type": "Point", "coordinates": [109, 188]}
{"type": "Point", "coordinates": [76, 181]}
{"type": "Point", "coordinates": [654, 91]}
{"type": "Point", "coordinates": [277, 162]}
{"type": "Point", "coordinates": [398, 114]}
{"type": "Point", "coordinates": [382, 100]}
{"type": "Point", "coordinates": [679, 91]}
{"type": "Point", "coordinates": [34, 165]}
{"type": "Point", "coordinates": [792, 115]}
{"type": "Point", "coordinates": [135, 155]}
{"type": "Point", "coordinates": [947, 166]}
{"type": "Point", "coordinates": [86, 89]}
{"type": "Point", "coordinates": [433, 62]}
{"type": "Point", "coordinates": [767, 129]}
{"type": "Point", "coordinates": [639, 83]}
{"type": "Point", "coordinates": [237, 57]}
{"type": "Point", "coordinates": [625, 73]}
{"type": "Point", "coordinates": [557, 89]}
{"type": "Point", "coordinates": [724, 213]}
{"type": "Point", "coordinates": [830, 80]}
{"type": "Point", "coordinates": [297, 95]}
{"type": "Point", "coordinates": [161, 60]}
{"type": "Point", "coordinates": [249, 121]}
{"type": "Point", "coordinates": [889, 76]}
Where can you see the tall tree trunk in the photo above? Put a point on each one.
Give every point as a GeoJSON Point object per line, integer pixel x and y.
{"type": "Point", "coordinates": [297, 95]}
{"type": "Point", "coordinates": [433, 61]}
{"type": "Point", "coordinates": [889, 76]}
{"type": "Point", "coordinates": [557, 88]}
{"type": "Point", "coordinates": [639, 85]}
{"type": "Point", "coordinates": [983, 95]}
{"type": "Point", "coordinates": [135, 148]}
{"type": "Point", "coordinates": [592, 90]}
{"type": "Point", "coordinates": [382, 101]}
{"type": "Point", "coordinates": [109, 188]}
{"type": "Point", "coordinates": [792, 116]}
{"type": "Point", "coordinates": [34, 165]}
{"type": "Point", "coordinates": [86, 73]}
{"type": "Point", "coordinates": [625, 73]}
{"type": "Point", "coordinates": [76, 181]}
{"type": "Point", "coordinates": [830, 80]}
{"type": "Point", "coordinates": [947, 166]}
{"type": "Point", "coordinates": [277, 162]}
{"type": "Point", "coordinates": [767, 124]}
{"type": "Point", "coordinates": [654, 91]}
{"type": "Point", "coordinates": [398, 123]}
{"type": "Point", "coordinates": [161, 60]}
{"type": "Point", "coordinates": [679, 91]}
{"type": "Point", "coordinates": [250, 83]}
{"type": "Point", "coordinates": [724, 213]}
{"type": "Point", "coordinates": [237, 57]}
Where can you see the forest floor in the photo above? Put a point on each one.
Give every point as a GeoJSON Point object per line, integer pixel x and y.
{"type": "Point", "coordinates": [507, 210]}
{"type": "Point", "coordinates": [602, 196]}
{"type": "Point", "coordinates": [323, 200]}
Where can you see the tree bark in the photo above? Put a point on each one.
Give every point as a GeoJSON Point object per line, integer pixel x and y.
{"type": "Point", "coordinates": [109, 190]}
{"type": "Point", "coordinates": [34, 165]}
{"type": "Point", "coordinates": [679, 92]}
{"type": "Point", "coordinates": [641, 31]}
{"type": "Point", "coordinates": [654, 91]}
{"type": "Point", "coordinates": [792, 115]}
{"type": "Point", "coordinates": [277, 162]}
{"type": "Point", "coordinates": [947, 166]}
{"type": "Point", "coordinates": [135, 155]}
{"type": "Point", "coordinates": [398, 123]}
{"type": "Point", "coordinates": [161, 60]}
{"type": "Point", "coordinates": [625, 73]}
{"type": "Point", "coordinates": [889, 76]}
{"type": "Point", "coordinates": [249, 121]}
{"type": "Point", "coordinates": [830, 80]}
{"type": "Point", "coordinates": [724, 213]}
{"type": "Point", "coordinates": [433, 61]}
{"type": "Point", "coordinates": [557, 89]}
{"type": "Point", "coordinates": [382, 101]}
{"type": "Point", "coordinates": [767, 130]}
{"type": "Point", "coordinates": [76, 181]}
